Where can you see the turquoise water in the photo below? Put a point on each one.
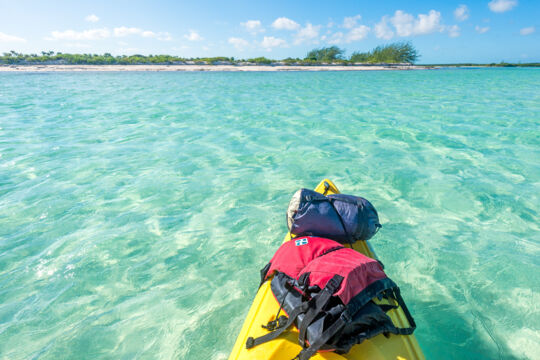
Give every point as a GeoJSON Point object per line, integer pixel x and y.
{"type": "Point", "coordinates": [137, 208]}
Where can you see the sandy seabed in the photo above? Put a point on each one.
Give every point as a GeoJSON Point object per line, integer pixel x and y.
{"type": "Point", "coordinates": [37, 68]}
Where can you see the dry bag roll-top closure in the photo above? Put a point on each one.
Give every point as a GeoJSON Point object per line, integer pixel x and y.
{"type": "Point", "coordinates": [326, 289]}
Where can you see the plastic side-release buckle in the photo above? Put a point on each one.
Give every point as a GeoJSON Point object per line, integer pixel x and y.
{"type": "Point", "coordinates": [346, 317]}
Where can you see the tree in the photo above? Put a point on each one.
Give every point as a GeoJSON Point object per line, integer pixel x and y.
{"type": "Point", "coordinates": [260, 60]}
{"type": "Point", "coordinates": [400, 52]}
{"type": "Point", "coordinates": [327, 54]}
{"type": "Point", "coordinates": [358, 57]}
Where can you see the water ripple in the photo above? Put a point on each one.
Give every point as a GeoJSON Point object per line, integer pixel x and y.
{"type": "Point", "coordinates": [137, 208]}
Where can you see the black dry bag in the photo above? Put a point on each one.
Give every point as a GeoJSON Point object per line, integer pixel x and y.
{"type": "Point", "coordinates": [340, 217]}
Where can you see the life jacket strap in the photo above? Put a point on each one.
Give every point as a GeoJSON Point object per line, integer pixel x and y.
{"type": "Point", "coordinates": [276, 324]}
{"type": "Point", "coordinates": [251, 342]}
{"type": "Point", "coordinates": [325, 336]}
{"type": "Point", "coordinates": [410, 319]}
{"type": "Point", "coordinates": [321, 300]}
{"type": "Point", "coordinates": [264, 272]}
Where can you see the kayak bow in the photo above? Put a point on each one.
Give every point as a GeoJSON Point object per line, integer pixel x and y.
{"type": "Point", "coordinates": [286, 347]}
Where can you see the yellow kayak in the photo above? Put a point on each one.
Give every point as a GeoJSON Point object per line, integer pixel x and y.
{"type": "Point", "coordinates": [286, 347]}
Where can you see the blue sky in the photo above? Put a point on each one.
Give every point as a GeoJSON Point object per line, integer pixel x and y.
{"type": "Point", "coordinates": [442, 31]}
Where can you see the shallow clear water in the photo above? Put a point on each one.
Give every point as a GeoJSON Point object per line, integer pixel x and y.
{"type": "Point", "coordinates": [137, 208]}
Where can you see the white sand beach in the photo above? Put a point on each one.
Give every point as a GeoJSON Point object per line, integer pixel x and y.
{"type": "Point", "coordinates": [110, 68]}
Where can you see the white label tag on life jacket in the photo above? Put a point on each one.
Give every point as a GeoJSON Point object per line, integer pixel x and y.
{"type": "Point", "coordinates": [301, 242]}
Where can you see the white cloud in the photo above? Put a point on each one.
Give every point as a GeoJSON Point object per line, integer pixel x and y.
{"type": "Point", "coordinates": [10, 38]}
{"type": "Point", "coordinates": [92, 34]}
{"type": "Point", "coordinates": [125, 31]}
{"type": "Point", "coordinates": [481, 30]}
{"type": "Point", "coordinates": [453, 31]}
{"type": "Point", "coordinates": [501, 6]}
{"type": "Point", "coordinates": [350, 22]}
{"type": "Point", "coordinates": [336, 38]}
{"type": "Point", "coordinates": [193, 36]}
{"type": "Point", "coordinates": [238, 43]}
{"type": "Point", "coordinates": [403, 22]}
{"type": "Point", "coordinates": [357, 33]}
{"type": "Point", "coordinates": [461, 13]}
{"type": "Point", "coordinates": [92, 18]}
{"type": "Point", "coordinates": [284, 23]}
{"type": "Point", "coordinates": [163, 36]}
{"type": "Point", "coordinates": [253, 26]}
{"type": "Point", "coordinates": [427, 24]}
{"type": "Point", "coordinates": [382, 30]}
{"type": "Point", "coordinates": [407, 25]}
{"type": "Point", "coordinates": [307, 33]}
{"type": "Point", "coordinates": [527, 31]}
{"type": "Point", "coordinates": [270, 42]}
{"type": "Point", "coordinates": [103, 33]}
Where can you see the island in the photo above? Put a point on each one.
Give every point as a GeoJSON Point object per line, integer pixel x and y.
{"type": "Point", "coordinates": [395, 56]}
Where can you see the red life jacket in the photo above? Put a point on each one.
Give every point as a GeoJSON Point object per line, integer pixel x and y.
{"type": "Point", "coordinates": [319, 259]}
{"type": "Point", "coordinates": [327, 290]}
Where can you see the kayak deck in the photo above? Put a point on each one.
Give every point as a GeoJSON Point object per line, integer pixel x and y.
{"type": "Point", "coordinates": [286, 347]}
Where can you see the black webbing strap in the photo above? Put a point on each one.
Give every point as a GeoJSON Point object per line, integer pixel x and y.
{"type": "Point", "coordinates": [325, 336]}
{"type": "Point", "coordinates": [332, 249]}
{"type": "Point", "coordinates": [387, 307]}
{"type": "Point", "coordinates": [280, 320]}
{"type": "Point", "coordinates": [345, 318]}
{"type": "Point", "coordinates": [321, 300]}
{"type": "Point", "coordinates": [401, 302]}
{"type": "Point", "coordinates": [251, 342]}
{"type": "Point", "coordinates": [264, 272]}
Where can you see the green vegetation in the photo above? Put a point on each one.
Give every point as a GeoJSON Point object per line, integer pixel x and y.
{"type": "Point", "coordinates": [393, 53]}
{"type": "Point", "coordinates": [328, 54]}
{"type": "Point", "coordinates": [261, 60]}
{"type": "Point", "coordinates": [396, 53]}
{"type": "Point", "coordinates": [50, 57]}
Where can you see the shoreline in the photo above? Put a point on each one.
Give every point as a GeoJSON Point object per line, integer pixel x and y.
{"type": "Point", "coordinates": [188, 68]}
{"type": "Point", "coordinates": [227, 68]}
